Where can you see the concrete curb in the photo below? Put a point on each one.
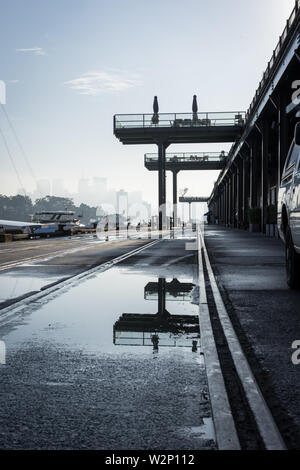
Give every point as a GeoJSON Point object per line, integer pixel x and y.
{"type": "Point", "coordinates": [263, 417]}
{"type": "Point", "coordinates": [226, 434]}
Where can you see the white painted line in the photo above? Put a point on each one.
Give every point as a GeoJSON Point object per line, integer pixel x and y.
{"type": "Point", "coordinates": [18, 308]}
{"type": "Point", "coordinates": [62, 251]}
{"type": "Point", "coordinates": [46, 256]}
{"type": "Point", "coordinates": [263, 417]}
{"type": "Point", "coordinates": [225, 430]}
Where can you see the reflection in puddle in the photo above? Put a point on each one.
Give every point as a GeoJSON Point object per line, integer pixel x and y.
{"type": "Point", "coordinates": [161, 328]}
{"type": "Point", "coordinates": [87, 317]}
{"type": "Point", "coordinates": [66, 369]}
{"type": "Point", "coordinates": [15, 285]}
{"type": "Point", "coordinates": [173, 290]}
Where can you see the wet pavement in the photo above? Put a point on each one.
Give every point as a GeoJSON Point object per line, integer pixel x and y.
{"type": "Point", "coordinates": [28, 266]}
{"type": "Point", "coordinates": [250, 269]}
{"type": "Point", "coordinates": [113, 363]}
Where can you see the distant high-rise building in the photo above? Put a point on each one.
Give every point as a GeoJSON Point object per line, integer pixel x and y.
{"type": "Point", "coordinates": [99, 189]}
{"type": "Point", "coordinates": [83, 190]}
{"type": "Point", "coordinates": [148, 209]}
{"type": "Point", "coordinates": [58, 188]}
{"type": "Point", "coordinates": [122, 203]}
{"type": "Point", "coordinates": [100, 184]}
{"type": "Point", "coordinates": [135, 197]}
{"type": "Point", "coordinates": [43, 188]}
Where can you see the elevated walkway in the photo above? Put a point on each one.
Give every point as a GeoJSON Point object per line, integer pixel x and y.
{"type": "Point", "coordinates": [191, 200]}
{"type": "Point", "coordinates": [142, 329]}
{"type": "Point", "coordinates": [188, 161]}
{"type": "Point", "coordinates": [166, 129]}
{"type": "Point", "coordinates": [179, 128]}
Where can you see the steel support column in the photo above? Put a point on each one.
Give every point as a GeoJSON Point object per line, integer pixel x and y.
{"type": "Point", "coordinates": [251, 183]}
{"type": "Point", "coordinates": [232, 195]}
{"type": "Point", "coordinates": [232, 215]}
{"type": "Point", "coordinates": [227, 203]}
{"type": "Point", "coordinates": [282, 136]}
{"type": "Point", "coordinates": [244, 194]}
{"type": "Point", "coordinates": [223, 205]}
{"type": "Point", "coordinates": [237, 197]}
{"type": "Point", "coordinates": [161, 296]}
{"type": "Point", "coordinates": [162, 146]}
{"type": "Point", "coordinates": [264, 173]}
{"type": "Point", "coordinates": [175, 217]}
{"type": "Point", "coordinates": [229, 200]}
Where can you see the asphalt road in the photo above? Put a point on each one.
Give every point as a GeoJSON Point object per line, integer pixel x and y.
{"type": "Point", "coordinates": [73, 379]}
{"type": "Point", "coordinates": [27, 266]}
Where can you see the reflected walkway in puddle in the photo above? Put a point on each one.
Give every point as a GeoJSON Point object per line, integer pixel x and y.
{"type": "Point", "coordinates": [77, 374]}
{"type": "Point", "coordinates": [163, 328]}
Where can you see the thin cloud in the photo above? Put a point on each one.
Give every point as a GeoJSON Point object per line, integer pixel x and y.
{"type": "Point", "coordinates": [95, 83]}
{"type": "Point", "coordinates": [33, 50]}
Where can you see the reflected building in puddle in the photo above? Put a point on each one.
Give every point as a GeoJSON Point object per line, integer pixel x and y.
{"type": "Point", "coordinates": [162, 328]}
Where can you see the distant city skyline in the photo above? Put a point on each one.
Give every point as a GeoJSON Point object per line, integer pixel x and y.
{"type": "Point", "coordinates": [126, 203]}
{"type": "Point", "coordinates": [92, 191]}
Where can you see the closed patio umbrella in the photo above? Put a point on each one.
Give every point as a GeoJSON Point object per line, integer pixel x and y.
{"type": "Point", "coordinates": [195, 108]}
{"type": "Point", "coordinates": [155, 117]}
{"type": "Point", "coordinates": [195, 104]}
{"type": "Point", "coordinates": [155, 105]}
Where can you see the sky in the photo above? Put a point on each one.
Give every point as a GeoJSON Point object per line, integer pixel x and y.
{"type": "Point", "coordinates": [70, 65]}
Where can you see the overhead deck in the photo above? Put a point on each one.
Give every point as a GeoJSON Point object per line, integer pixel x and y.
{"type": "Point", "coordinates": [177, 162]}
{"type": "Point", "coordinates": [166, 129]}
{"type": "Point", "coordinates": [188, 161]}
{"type": "Point", "coordinates": [191, 200]}
{"type": "Point", "coordinates": [184, 128]}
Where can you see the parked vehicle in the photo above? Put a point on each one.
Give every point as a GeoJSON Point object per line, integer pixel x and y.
{"type": "Point", "coordinates": [54, 223]}
{"type": "Point", "coordinates": [289, 211]}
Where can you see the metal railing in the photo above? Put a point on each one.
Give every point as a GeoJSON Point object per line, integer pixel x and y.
{"type": "Point", "coordinates": [179, 120]}
{"type": "Point", "coordinates": [276, 53]}
{"type": "Point", "coordinates": [189, 157]}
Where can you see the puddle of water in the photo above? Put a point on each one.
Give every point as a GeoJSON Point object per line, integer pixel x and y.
{"type": "Point", "coordinates": [117, 358]}
{"type": "Point", "coordinates": [14, 285]}
{"type": "Point", "coordinates": [205, 431]}
{"type": "Point", "coordinates": [112, 312]}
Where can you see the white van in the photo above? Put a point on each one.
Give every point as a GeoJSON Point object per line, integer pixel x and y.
{"type": "Point", "coordinates": [289, 211]}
